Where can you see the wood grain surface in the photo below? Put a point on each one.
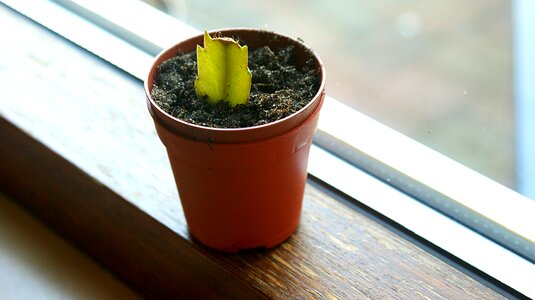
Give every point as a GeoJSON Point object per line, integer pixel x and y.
{"type": "Point", "coordinates": [80, 152]}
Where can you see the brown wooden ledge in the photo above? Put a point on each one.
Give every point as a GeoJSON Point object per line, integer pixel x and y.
{"type": "Point", "coordinates": [79, 151]}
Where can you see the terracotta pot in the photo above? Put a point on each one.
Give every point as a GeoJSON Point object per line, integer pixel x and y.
{"type": "Point", "coordinates": [240, 188]}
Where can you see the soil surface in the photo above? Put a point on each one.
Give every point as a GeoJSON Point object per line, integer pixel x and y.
{"type": "Point", "coordinates": [279, 89]}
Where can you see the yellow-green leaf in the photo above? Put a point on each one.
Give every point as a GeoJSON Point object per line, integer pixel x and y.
{"type": "Point", "coordinates": [222, 71]}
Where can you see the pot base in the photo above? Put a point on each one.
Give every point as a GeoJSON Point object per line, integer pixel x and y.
{"type": "Point", "coordinates": [244, 246]}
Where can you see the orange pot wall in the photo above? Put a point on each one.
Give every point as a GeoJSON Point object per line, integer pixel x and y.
{"type": "Point", "coordinates": [240, 196]}
{"type": "Point", "coordinates": [239, 188]}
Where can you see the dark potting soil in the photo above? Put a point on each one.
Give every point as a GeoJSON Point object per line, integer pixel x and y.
{"type": "Point", "coordinates": [279, 89]}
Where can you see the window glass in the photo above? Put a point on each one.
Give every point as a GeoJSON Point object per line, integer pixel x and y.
{"type": "Point", "coordinates": [440, 72]}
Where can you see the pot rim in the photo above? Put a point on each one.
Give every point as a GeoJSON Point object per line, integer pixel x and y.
{"type": "Point", "coordinates": [232, 135]}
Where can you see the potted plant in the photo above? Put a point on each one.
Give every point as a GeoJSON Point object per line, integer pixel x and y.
{"type": "Point", "coordinates": [241, 183]}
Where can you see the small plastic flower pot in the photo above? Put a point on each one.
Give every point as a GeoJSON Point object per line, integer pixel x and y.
{"type": "Point", "coordinates": [240, 188]}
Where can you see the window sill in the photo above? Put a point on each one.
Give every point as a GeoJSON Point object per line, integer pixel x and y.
{"type": "Point", "coordinates": [83, 157]}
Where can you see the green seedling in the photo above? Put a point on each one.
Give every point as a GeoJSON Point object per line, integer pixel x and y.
{"type": "Point", "coordinates": [222, 69]}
